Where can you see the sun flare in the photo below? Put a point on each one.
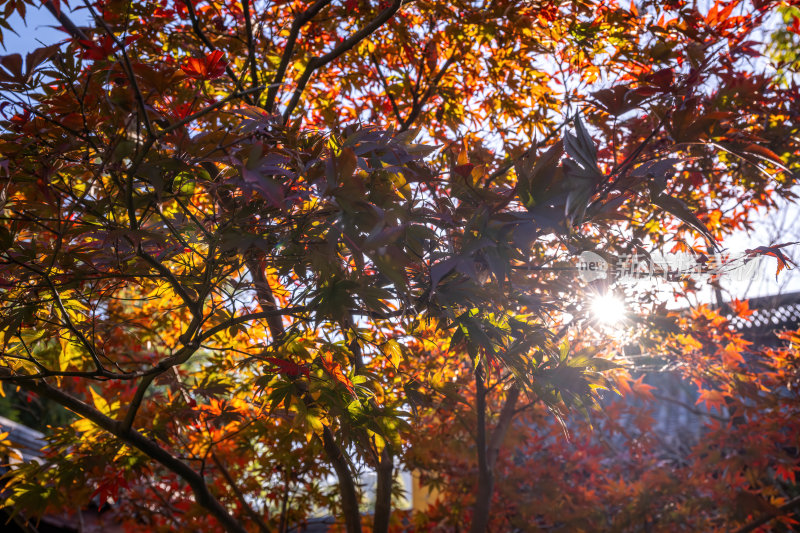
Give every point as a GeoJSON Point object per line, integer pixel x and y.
{"type": "Point", "coordinates": [608, 309]}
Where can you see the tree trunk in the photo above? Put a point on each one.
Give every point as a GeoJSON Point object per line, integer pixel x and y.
{"type": "Point", "coordinates": [483, 496]}
{"type": "Point", "coordinates": [347, 487]}
{"type": "Point", "coordinates": [383, 493]}
{"type": "Point", "coordinates": [488, 452]}
{"type": "Point", "coordinates": [284, 521]}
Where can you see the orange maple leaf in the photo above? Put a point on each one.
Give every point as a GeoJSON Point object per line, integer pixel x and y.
{"type": "Point", "coordinates": [643, 389]}
{"type": "Point", "coordinates": [774, 251]}
{"type": "Point", "coordinates": [713, 399]}
{"type": "Point", "coordinates": [741, 308]}
{"type": "Point", "coordinates": [731, 355]}
{"type": "Point", "coordinates": [334, 369]}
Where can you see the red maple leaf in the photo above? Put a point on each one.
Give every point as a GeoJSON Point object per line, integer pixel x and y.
{"type": "Point", "coordinates": [464, 170]}
{"type": "Point", "coordinates": [98, 50]}
{"type": "Point", "coordinates": [794, 27]}
{"type": "Point", "coordinates": [289, 368]}
{"type": "Point", "coordinates": [181, 111]}
{"type": "Point", "coordinates": [109, 488]}
{"type": "Point", "coordinates": [207, 68]}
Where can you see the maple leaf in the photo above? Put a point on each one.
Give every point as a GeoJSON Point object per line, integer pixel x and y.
{"type": "Point", "coordinates": [97, 51]}
{"type": "Point", "coordinates": [643, 389]}
{"type": "Point", "coordinates": [786, 472]}
{"type": "Point", "coordinates": [109, 488]}
{"type": "Point", "coordinates": [713, 399]}
{"type": "Point", "coordinates": [731, 356]}
{"type": "Point", "coordinates": [627, 385]}
{"type": "Point", "coordinates": [207, 68]}
{"type": "Point", "coordinates": [334, 369]}
{"type": "Point", "coordinates": [181, 111]}
{"type": "Point", "coordinates": [794, 27]}
{"type": "Point", "coordinates": [289, 368]}
{"type": "Point", "coordinates": [774, 251]}
{"type": "Point", "coordinates": [464, 170]}
{"type": "Point", "coordinates": [741, 308]}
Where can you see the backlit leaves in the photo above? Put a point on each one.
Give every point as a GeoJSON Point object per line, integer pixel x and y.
{"type": "Point", "coordinates": [343, 228]}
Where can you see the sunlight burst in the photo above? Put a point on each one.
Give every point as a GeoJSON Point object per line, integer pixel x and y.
{"type": "Point", "coordinates": [608, 309]}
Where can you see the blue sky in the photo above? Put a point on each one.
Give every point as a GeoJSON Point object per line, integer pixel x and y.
{"type": "Point", "coordinates": [38, 29]}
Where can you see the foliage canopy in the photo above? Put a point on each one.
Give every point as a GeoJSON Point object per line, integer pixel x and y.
{"type": "Point", "coordinates": [251, 246]}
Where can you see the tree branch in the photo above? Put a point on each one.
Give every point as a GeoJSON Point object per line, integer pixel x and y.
{"type": "Point", "coordinates": [150, 448]}
{"type": "Point", "coordinates": [215, 105]}
{"type": "Point", "coordinates": [420, 103]}
{"type": "Point", "coordinates": [383, 491]}
{"type": "Point", "coordinates": [294, 31]}
{"type": "Point", "coordinates": [794, 502]}
{"type": "Point", "coordinates": [167, 274]}
{"type": "Point", "coordinates": [251, 49]}
{"type": "Point", "coordinates": [386, 90]}
{"type": "Point", "coordinates": [343, 47]}
{"type": "Point", "coordinates": [503, 424]}
{"type": "Point", "coordinates": [252, 316]}
{"type": "Point", "coordinates": [690, 407]}
{"type": "Point", "coordinates": [204, 39]}
{"type": "Point", "coordinates": [136, 401]}
{"type": "Point", "coordinates": [128, 69]}
{"type": "Point", "coordinates": [347, 488]}
{"type": "Point", "coordinates": [262, 526]}
{"type": "Point", "coordinates": [65, 21]}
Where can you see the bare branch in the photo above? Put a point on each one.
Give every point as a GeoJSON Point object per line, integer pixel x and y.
{"type": "Point", "coordinates": [420, 103]}
{"type": "Point", "coordinates": [166, 273]}
{"type": "Point", "coordinates": [269, 313]}
{"type": "Point", "coordinates": [65, 21]}
{"type": "Point", "coordinates": [503, 424]}
{"type": "Point", "coordinates": [480, 515]}
{"type": "Point", "coordinates": [136, 401]}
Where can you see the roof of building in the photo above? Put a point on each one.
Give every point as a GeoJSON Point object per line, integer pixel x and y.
{"type": "Point", "coordinates": [28, 442]}
{"type": "Point", "coordinates": [778, 312]}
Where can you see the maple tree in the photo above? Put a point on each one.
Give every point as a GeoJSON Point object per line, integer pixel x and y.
{"type": "Point", "coordinates": [617, 471]}
{"type": "Point", "coordinates": [255, 246]}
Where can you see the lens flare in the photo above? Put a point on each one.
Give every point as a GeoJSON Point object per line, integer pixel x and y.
{"type": "Point", "coordinates": [608, 309]}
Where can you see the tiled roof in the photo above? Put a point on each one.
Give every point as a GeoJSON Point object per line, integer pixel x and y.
{"type": "Point", "coordinates": [770, 313]}
{"type": "Point", "coordinates": [27, 441]}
